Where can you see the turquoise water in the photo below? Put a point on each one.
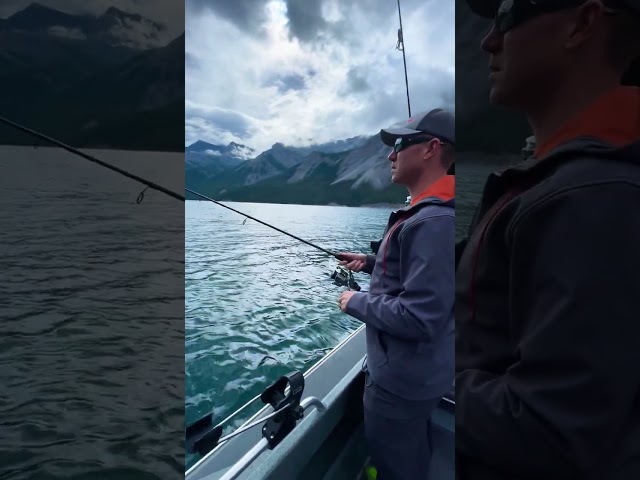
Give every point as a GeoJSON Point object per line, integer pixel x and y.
{"type": "Point", "coordinates": [251, 292]}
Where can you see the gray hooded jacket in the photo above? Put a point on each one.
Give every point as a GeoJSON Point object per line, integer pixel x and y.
{"type": "Point", "coordinates": [409, 309]}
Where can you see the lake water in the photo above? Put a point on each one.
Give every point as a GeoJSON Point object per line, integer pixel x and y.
{"type": "Point", "coordinates": [472, 170]}
{"type": "Point", "coordinates": [92, 309]}
{"type": "Point", "coordinates": [95, 328]}
{"type": "Point", "coordinates": [252, 292]}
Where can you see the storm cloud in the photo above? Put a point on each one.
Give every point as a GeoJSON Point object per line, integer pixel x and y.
{"type": "Point", "coordinates": [305, 19]}
{"type": "Point", "coordinates": [284, 83]}
{"type": "Point", "coordinates": [301, 71]}
{"type": "Point", "coordinates": [236, 123]}
{"type": "Point", "coordinates": [247, 15]}
{"type": "Point", "coordinates": [356, 81]}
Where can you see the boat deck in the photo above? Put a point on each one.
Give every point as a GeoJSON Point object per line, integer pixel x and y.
{"type": "Point", "coordinates": [328, 445]}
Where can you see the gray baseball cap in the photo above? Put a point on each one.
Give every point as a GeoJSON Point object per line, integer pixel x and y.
{"type": "Point", "coordinates": [489, 8]}
{"type": "Point", "coordinates": [437, 123]}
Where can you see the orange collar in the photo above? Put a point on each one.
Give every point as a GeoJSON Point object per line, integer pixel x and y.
{"type": "Point", "coordinates": [443, 188]}
{"type": "Point", "coordinates": [613, 118]}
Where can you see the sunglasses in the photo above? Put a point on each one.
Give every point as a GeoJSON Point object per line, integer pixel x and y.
{"type": "Point", "coordinates": [513, 13]}
{"type": "Point", "coordinates": [406, 142]}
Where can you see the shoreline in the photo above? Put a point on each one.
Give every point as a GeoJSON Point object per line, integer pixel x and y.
{"type": "Point", "coordinates": [37, 146]}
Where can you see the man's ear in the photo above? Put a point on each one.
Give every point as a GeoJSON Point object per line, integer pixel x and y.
{"type": "Point", "coordinates": [430, 148]}
{"type": "Point", "coordinates": [586, 21]}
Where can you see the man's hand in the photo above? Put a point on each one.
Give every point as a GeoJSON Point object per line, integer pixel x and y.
{"type": "Point", "coordinates": [353, 261]}
{"type": "Point", "coordinates": [344, 299]}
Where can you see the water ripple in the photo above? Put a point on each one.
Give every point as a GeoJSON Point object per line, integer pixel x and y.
{"type": "Point", "coordinates": [92, 320]}
{"type": "Point", "coordinates": [252, 292]}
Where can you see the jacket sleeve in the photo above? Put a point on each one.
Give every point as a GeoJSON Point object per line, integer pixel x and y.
{"type": "Point", "coordinates": [558, 410]}
{"type": "Point", "coordinates": [370, 264]}
{"type": "Point", "coordinates": [427, 297]}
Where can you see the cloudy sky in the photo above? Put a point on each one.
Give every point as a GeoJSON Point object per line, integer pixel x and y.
{"type": "Point", "coordinates": [310, 71]}
{"type": "Point", "coordinates": [168, 12]}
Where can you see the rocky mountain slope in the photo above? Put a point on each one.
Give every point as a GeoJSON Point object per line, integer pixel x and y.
{"type": "Point", "coordinates": [105, 81]}
{"type": "Point", "coordinates": [283, 174]}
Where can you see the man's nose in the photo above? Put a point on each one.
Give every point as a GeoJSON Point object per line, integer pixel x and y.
{"type": "Point", "coordinates": [393, 155]}
{"type": "Point", "coordinates": [492, 42]}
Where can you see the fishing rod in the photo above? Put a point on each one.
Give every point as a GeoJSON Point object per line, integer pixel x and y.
{"type": "Point", "coordinates": [333, 254]}
{"type": "Point", "coordinates": [400, 46]}
{"type": "Point", "coordinates": [340, 275]}
{"type": "Point", "coordinates": [93, 159]}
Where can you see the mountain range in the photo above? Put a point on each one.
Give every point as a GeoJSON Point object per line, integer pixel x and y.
{"type": "Point", "coordinates": [356, 171]}
{"type": "Point", "coordinates": [110, 81]}
{"type": "Point", "coordinates": [351, 172]}
{"type": "Point", "coordinates": [115, 80]}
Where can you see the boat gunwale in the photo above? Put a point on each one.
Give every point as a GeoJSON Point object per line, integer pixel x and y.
{"type": "Point", "coordinates": [264, 410]}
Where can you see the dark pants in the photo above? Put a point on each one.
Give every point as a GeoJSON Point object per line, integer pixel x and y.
{"type": "Point", "coordinates": [398, 433]}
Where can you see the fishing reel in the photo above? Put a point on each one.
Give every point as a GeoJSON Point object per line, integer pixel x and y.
{"type": "Point", "coordinates": [344, 278]}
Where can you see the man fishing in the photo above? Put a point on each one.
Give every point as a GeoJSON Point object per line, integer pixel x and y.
{"type": "Point", "coordinates": [547, 330]}
{"type": "Point", "coordinates": [409, 308]}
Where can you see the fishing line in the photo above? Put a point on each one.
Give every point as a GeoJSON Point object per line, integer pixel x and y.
{"type": "Point", "coordinates": [265, 223]}
{"type": "Point", "coordinates": [93, 159]}
{"type": "Point", "coordinates": [153, 185]}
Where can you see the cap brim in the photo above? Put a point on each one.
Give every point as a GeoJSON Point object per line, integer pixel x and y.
{"type": "Point", "coordinates": [484, 8]}
{"type": "Point", "coordinates": [390, 135]}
